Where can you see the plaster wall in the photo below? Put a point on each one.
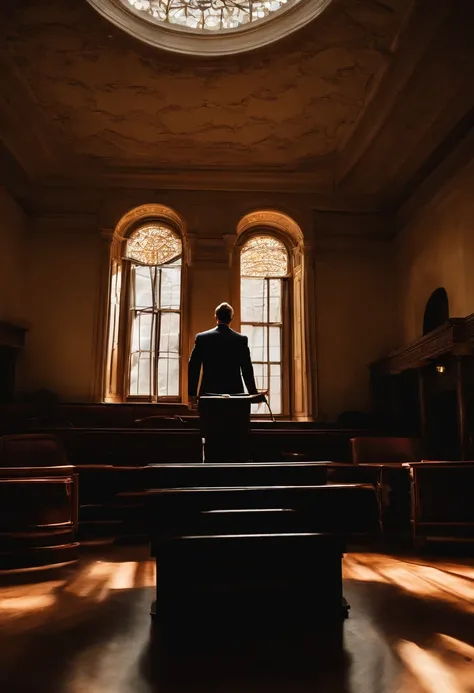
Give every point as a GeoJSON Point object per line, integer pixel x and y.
{"type": "Point", "coordinates": [436, 249]}
{"type": "Point", "coordinates": [63, 282]}
{"type": "Point", "coordinates": [356, 322]}
{"type": "Point", "coordinates": [12, 261]}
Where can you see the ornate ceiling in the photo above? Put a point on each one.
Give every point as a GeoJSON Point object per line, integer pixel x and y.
{"type": "Point", "coordinates": [361, 97]}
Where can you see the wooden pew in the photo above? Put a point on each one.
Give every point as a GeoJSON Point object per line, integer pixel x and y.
{"type": "Point", "coordinates": [442, 502]}
{"type": "Point", "coordinates": [279, 542]}
{"type": "Point", "coordinates": [234, 474]}
{"type": "Point", "coordinates": [128, 446]}
{"type": "Point", "coordinates": [38, 516]}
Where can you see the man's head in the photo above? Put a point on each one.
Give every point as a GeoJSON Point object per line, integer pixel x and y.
{"type": "Point", "coordinates": [224, 313]}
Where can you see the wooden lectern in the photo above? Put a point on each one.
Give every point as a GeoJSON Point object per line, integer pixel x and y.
{"type": "Point", "coordinates": [225, 426]}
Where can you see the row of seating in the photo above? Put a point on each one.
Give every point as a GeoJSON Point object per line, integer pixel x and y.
{"type": "Point", "coordinates": [433, 499]}
{"type": "Point", "coordinates": [212, 536]}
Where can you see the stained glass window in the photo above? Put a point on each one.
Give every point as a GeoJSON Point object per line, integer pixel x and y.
{"type": "Point", "coordinates": [264, 268]}
{"type": "Point", "coordinates": [208, 15]}
{"type": "Point", "coordinates": [153, 245]}
{"type": "Point", "coordinates": [264, 256]}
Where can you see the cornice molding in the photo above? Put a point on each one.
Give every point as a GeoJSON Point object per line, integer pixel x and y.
{"type": "Point", "coordinates": [319, 180]}
{"type": "Point", "coordinates": [421, 24]}
{"type": "Point", "coordinates": [31, 138]}
{"type": "Point", "coordinates": [453, 338]}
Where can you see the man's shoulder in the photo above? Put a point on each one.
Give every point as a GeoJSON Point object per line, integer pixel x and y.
{"type": "Point", "coordinates": [238, 335]}
{"type": "Point", "coordinates": [214, 331]}
{"type": "Point", "coordinates": [207, 333]}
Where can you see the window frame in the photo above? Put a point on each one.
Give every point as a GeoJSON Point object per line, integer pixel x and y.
{"type": "Point", "coordinates": [152, 398]}
{"type": "Point", "coordinates": [287, 317]}
{"type": "Point", "coordinates": [116, 360]}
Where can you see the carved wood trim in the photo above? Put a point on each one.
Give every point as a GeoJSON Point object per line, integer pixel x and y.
{"type": "Point", "coordinates": [450, 338]}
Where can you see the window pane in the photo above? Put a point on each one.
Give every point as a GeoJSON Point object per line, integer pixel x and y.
{"type": "Point", "coordinates": [169, 333]}
{"type": "Point", "coordinates": [275, 389]}
{"type": "Point", "coordinates": [140, 374]}
{"type": "Point", "coordinates": [257, 336]}
{"type": "Point", "coordinates": [168, 376]}
{"type": "Point", "coordinates": [275, 300]}
{"type": "Point", "coordinates": [144, 277]}
{"type": "Point", "coordinates": [142, 332]}
{"type": "Point", "coordinates": [261, 375]}
{"type": "Point", "coordinates": [261, 380]}
{"type": "Point", "coordinates": [170, 287]}
{"type": "Point", "coordinates": [275, 343]}
{"type": "Point", "coordinates": [253, 300]}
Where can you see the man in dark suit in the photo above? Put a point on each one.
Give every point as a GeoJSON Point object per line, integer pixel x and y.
{"type": "Point", "coordinates": [224, 357]}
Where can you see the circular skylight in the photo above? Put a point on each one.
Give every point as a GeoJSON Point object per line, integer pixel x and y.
{"type": "Point", "coordinates": [208, 15]}
{"type": "Point", "coordinates": [210, 27]}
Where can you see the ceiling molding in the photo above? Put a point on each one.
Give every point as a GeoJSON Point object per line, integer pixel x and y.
{"type": "Point", "coordinates": [421, 24]}
{"type": "Point", "coordinates": [31, 138]}
{"type": "Point", "coordinates": [265, 180]}
{"type": "Point", "coordinates": [440, 181]}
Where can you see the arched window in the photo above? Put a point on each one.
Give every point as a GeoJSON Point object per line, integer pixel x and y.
{"type": "Point", "coordinates": [264, 301]}
{"type": "Point", "coordinates": [144, 347]}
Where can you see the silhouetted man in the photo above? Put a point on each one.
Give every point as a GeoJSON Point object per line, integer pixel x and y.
{"type": "Point", "coordinates": [224, 357]}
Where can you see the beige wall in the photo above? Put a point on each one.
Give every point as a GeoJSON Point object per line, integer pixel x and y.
{"type": "Point", "coordinates": [436, 249]}
{"type": "Point", "coordinates": [356, 322]}
{"type": "Point", "coordinates": [64, 270]}
{"type": "Point", "coordinates": [12, 261]}
{"type": "Point", "coordinates": [353, 296]}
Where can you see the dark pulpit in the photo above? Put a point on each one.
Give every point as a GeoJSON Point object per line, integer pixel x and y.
{"type": "Point", "coordinates": [224, 422]}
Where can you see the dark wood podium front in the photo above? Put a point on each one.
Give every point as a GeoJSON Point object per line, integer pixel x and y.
{"type": "Point", "coordinates": [224, 422]}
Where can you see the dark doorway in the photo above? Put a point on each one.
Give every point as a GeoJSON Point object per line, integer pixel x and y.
{"type": "Point", "coordinates": [436, 311]}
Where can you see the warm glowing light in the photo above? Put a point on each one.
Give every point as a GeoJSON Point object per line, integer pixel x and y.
{"type": "Point", "coordinates": [441, 369]}
{"type": "Point", "coordinates": [457, 646]}
{"type": "Point", "coordinates": [432, 673]}
{"type": "Point", "coordinates": [27, 603]}
{"type": "Point", "coordinates": [455, 586]}
{"type": "Point", "coordinates": [124, 576]}
{"type": "Point", "coordinates": [450, 584]}
{"type": "Point", "coordinates": [92, 582]}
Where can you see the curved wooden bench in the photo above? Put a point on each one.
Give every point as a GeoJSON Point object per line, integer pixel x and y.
{"type": "Point", "coordinates": [38, 516]}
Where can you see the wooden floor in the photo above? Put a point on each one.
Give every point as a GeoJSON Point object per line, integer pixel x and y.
{"type": "Point", "coordinates": [87, 630]}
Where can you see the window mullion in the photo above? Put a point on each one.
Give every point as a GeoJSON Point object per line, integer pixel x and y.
{"type": "Point", "coordinates": [157, 335]}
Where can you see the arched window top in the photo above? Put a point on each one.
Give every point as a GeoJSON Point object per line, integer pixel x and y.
{"type": "Point", "coordinates": [153, 244]}
{"type": "Point", "coordinates": [436, 310]}
{"type": "Point", "coordinates": [264, 256]}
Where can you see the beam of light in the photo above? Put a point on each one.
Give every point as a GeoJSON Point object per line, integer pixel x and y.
{"type": "Point", "coordinates": [123, 577]}
{"type": "Point", "coordinates": [433, 675]}
{"type": "Point", "coordinates": [146, 574]}
{"type": "Point", "coordinates": [27, 602]}
{"type": "Point", "coordinates": [92, 582]}
{"type": "Point", "coordinates": [455, 585]}
{"type": "Point", "coordinates": [353, 570]}
{"type": "Point", "coordinates": [461, 570]}
{"type": "Point", "coordinates": [421, 580]}
{"type": "Point", "coordinates": [456, 646]}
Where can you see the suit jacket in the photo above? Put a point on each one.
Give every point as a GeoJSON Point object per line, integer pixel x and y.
{"type": "Point", "coordinates": [225, 358]}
